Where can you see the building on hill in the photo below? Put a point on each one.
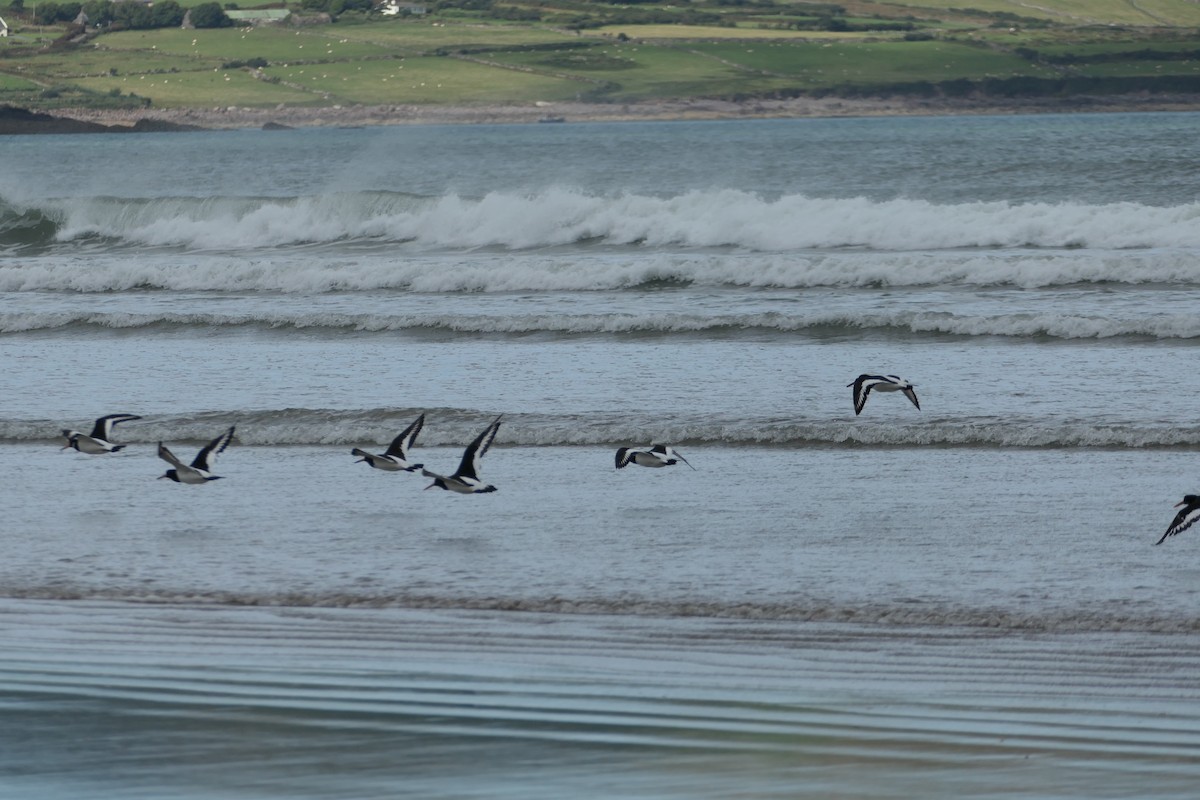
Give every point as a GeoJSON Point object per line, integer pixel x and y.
{"type": "Point", "coordinates": [392, 8]}
{"type": "Point", "coordinates": [258, 16]}
{"type": "Point", "coordinates": [3, 27]}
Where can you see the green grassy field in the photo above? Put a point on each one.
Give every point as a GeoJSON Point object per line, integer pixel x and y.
{"type": "Point", "coordinates": [423, 80]}
{"type": "Point", "coordinates": [877, 62]}
{"type": "Point", "coordinates": [12, 83]}
{"type": "Point", "coordinates": [227, 44]}
{"type": "Point", "coordinates": [746, 31]}
{"type": "Point", "coordinates": [1171, 13]}
{"type": "Point", "coordinates": [64, 67]}
{"type": "Point", "coordinates": [209, 88]}
{"type": "Point", "coordinates": [416, 37]}
{"type": "Point", "coordinates": [599, 52]}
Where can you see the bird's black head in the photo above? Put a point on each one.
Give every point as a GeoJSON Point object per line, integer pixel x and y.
{"type": "Point", "coordinates": [1190, 500]}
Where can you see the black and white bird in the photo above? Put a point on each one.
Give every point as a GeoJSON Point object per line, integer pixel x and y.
{"type": "Point", "coordinates": [200, 470]}
{"type": "Point", "coordinates": [1186, 516]}
{"type": "Point", "coordinates": [865, 384]}
{"type": "Point", "coordinates": [99, 440]}
{"type": "Point", "coordinates": [466, 479]}
{"type": "Point", "coordinates": [396, 457]}
{"type": "Point", "coordinates": [660, 455]}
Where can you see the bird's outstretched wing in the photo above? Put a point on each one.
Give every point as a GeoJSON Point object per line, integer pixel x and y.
{"type": "Point", "coordinates": [168, 456]}
{"type": "Point", "coordinates": [624, 456]}
{"type": "Point", "coordinates": [469, 468]}
{"type": "Point", "coordinates": [862, 387]}
{"type": "Point", "coordinates": [208, 454]}
{"type": "Point", "coordinates": [1183, 520]}
{"type": "Point", "coordinates": [671, 452]}
{"type": "Point", "coordinates": [103, 427]}
{"type": "Point", "coordinates": [401, 444]}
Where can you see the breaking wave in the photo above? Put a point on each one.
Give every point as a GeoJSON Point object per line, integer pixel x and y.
{"type": "Point", "coordinates": [558, 217]}
{"type": "Point", "coordinates": [451, 426]}
{"type": "Point", "coordinates": [592, 271]}
{"type": "Point", "coordinates": [1046, 325]}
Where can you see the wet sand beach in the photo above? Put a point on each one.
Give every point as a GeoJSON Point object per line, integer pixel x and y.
{"type": "Point", "coordinates": [204, 701]}
{"type": "Point", "coordinates": [233, 117]}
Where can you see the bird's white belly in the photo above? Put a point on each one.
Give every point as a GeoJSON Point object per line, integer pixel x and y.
{"type": "Point", "coordinates": [191, 476]}
{"type": "Point", "coordinates": [385, 463]}
{"type": "Point", "coordinates": [87, 444]}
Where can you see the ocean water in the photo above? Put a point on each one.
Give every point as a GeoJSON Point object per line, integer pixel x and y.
{"type": "Point", "coordinates": [961, 600]}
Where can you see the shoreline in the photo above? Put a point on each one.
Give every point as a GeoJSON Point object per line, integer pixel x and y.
{"type": "Point", "coordinates": [235, 118]}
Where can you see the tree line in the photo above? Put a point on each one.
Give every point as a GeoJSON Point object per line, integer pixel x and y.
{"type": "Point", "coordinates": [132, 14]}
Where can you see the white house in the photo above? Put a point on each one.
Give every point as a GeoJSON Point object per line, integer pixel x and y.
{"type": "Point", "coordinates": [391, 8]}
{"type": "Point", "coordinates": [3, 27]}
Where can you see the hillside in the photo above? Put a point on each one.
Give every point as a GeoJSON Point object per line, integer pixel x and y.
{"type": "Point", "coordinates": [542, 54]}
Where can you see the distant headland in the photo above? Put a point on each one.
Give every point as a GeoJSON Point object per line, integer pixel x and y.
{"type": "Point", "coordinates": [200, 64]}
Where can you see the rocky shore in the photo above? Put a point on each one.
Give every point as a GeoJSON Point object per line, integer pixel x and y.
{"type": "Point", "coordinates": [282, 117]}
{"type": "Point", "coordinates": [19, 120]}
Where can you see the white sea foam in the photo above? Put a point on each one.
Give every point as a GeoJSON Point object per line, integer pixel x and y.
{"type": "Point", "coordinates": [593, 270]}
{"type": "Point", "coordinates": [560, 216]}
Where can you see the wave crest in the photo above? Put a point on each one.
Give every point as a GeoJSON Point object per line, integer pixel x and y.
{"type": "Point", "coordinates": [452, 426]}
{"type": "Point", "coordinates": [552, 217]}
{"type": "Point", "coordinates": [903, 323]}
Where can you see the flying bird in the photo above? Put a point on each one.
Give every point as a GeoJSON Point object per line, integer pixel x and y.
{"type": "Point", "coordinates": [864, 384]}
{"type": "Point", "coordinates": [99, 440]}
{"type": "Point", "coordinates": [396, 457]}
{"type": "Point", "coordinates": [1186, 516]}
{"type": "Point", "coordinates": [466, 479]}
{"type": "Point", "coordinates": [199, 471]}
{"type": "Point", "coordinates": [660, 455]}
